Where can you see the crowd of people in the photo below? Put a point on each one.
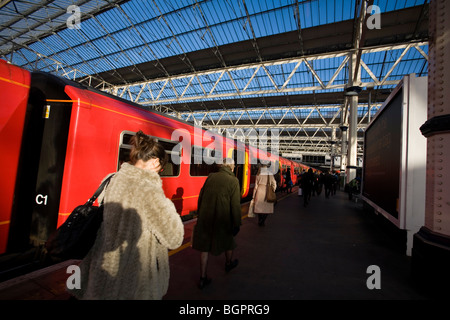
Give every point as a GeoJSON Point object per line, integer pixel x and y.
{"type": "Point", "coordinates": [312, 184]}
{"type": "Point", "coordinates": [129, 259]}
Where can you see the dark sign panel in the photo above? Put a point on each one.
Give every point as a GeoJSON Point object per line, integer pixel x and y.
{"type": "Point", "coordinates": [382, 157]}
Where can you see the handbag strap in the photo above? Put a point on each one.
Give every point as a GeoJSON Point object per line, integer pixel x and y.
{"type": "Point", "coordinates": [100, 190]}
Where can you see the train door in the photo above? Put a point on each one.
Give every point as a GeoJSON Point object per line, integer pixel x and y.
{"type": "Point", "coordinates": [240, 170]}
{"type": "Point", "coordinates": [41, 164]}
{"type": "Point", "coordinates": [253, 171]}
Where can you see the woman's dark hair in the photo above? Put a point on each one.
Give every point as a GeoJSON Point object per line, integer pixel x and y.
{"type": "Point", "coordinates": [145, 148]}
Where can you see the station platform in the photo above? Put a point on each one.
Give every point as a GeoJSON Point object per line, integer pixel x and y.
{"type": "Point", "coordinates": [318, 252]}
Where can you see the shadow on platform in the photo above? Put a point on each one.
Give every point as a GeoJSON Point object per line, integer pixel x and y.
{"type": "Point", "coordinates": [321, 252]}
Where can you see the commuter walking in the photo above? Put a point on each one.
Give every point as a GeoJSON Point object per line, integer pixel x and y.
{"type": "Point", "coordinates": [314, 183]}
{"type": "Point", "coordinates": [261, 207]}
{"type": "Point", "coordinates": [353, 187]}
{"type": "Point", "coordinates": [219, 218]}
{"type": "Point", "coordinates": [335, 183]}
{"type": "Point", "coordinates": [320, 183]}
{"type": "Point", "coordinates": [328, 184]}
{"type": "Point", "coordinates": [129, 259]}
{"type": "Point", "coordinates": [289, 184]}
{"type": "Point", "coordinates": [307, 186]}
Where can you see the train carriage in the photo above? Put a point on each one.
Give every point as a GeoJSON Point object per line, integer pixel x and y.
{"type": "Point", "coordinates": [65, 138]}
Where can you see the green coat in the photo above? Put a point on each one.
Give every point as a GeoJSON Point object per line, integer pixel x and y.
{"type": "Point", "coordinates": [219, 212]}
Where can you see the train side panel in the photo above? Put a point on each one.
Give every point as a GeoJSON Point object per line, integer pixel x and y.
{"type": "Point", "coordinates": [93, 145]}
{"type": "Point", "coordinates": [14, 87]}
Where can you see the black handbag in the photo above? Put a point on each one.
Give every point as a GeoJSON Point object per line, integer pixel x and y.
{"type": "Point", "coordinates": [76, 236]}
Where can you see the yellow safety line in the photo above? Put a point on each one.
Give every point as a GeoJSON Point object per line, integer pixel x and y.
{"type": "Point", "coordinates": [182, 198]}
{"type": "Point", "coordinates": [184, 246]}
{"type": "Point", "coordinates": [188, 244]}
{"type": "Point", "coordinates": [121, 113]}
{"type": "Point", "coordinates": [64, 214]}
{"type": "Point", "coordinates": [56, 100]}
{"type": "Point", "coordinates": [68, 214]}
{"type": "Point", "coordinates": [171, 252]}
{"type": "Point", "coordinates": [14, 82]}
{"type": "Point", "coordinates": [107, 109]}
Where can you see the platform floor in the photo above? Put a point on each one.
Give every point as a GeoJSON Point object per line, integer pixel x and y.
{"type": "Point", "coordinates": [318, 252]}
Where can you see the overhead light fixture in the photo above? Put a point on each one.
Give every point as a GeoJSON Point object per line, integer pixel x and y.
{"type": "Point", "coordinates": [352, 91]}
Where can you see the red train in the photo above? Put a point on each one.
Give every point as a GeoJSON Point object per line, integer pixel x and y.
{"type": "Point", "coordinates": [59, 139]}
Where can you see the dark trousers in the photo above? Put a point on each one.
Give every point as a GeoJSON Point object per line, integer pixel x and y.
{"type": "Point", "coordinates": [262, 218]}
{"type": "Point", "coordinates": [306, 196]}
{"type": "Point", "coordinates": [327, 191]}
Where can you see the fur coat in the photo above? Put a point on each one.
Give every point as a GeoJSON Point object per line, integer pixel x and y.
{"type": "Point", "coordinates": [129, 259]}
{"type": "Point", "coordinates": [219, 213]}
{"type": "Point", "coordinates": [259, 193]}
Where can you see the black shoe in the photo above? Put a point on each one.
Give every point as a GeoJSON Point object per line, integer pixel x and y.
{"type": "Point", "coordinates": [231, 265]}
{"type": "Point", "coordinates": [203, 282]}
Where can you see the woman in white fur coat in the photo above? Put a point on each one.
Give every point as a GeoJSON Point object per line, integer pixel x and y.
{"type": "Point", "coordinates": [129, 259]}
{"type": "Point", "coordinates": [261, 207]}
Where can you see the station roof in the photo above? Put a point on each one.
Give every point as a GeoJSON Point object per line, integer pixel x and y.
{"type": "Point", "coordinates": [225, 64]}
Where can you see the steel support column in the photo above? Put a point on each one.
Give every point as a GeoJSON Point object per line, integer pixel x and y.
{"type": "Point", "coordinates": [353, 120]}
{"type": "Point", "coordinates": [344, 143]}
{"type": "Point", "coordinates": [431, 246]}
{"type": "Point", "coordinates": [333, 148]}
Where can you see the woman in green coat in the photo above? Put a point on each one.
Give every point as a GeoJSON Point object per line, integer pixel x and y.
{"type": "Point", "coordinates": [219, 218]}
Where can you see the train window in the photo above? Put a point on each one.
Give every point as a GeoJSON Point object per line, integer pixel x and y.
{"type": "Point", "coordinates": [124, 148]}
{"type": "Point", "coordinates": [126, 137]}
{"type": "Point", "coordinates": [204, 161]}
{"type": "Point", "coordinates": [124, 155]}
{"type": "Point", "coordinates": [170, 169]}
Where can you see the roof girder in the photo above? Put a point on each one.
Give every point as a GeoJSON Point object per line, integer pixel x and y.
{"type": "Point", "coordinates": [186, 81]}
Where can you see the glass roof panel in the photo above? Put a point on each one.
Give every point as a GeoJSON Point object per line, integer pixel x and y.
{"type": "Point", "coordinates": [115, 34]}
